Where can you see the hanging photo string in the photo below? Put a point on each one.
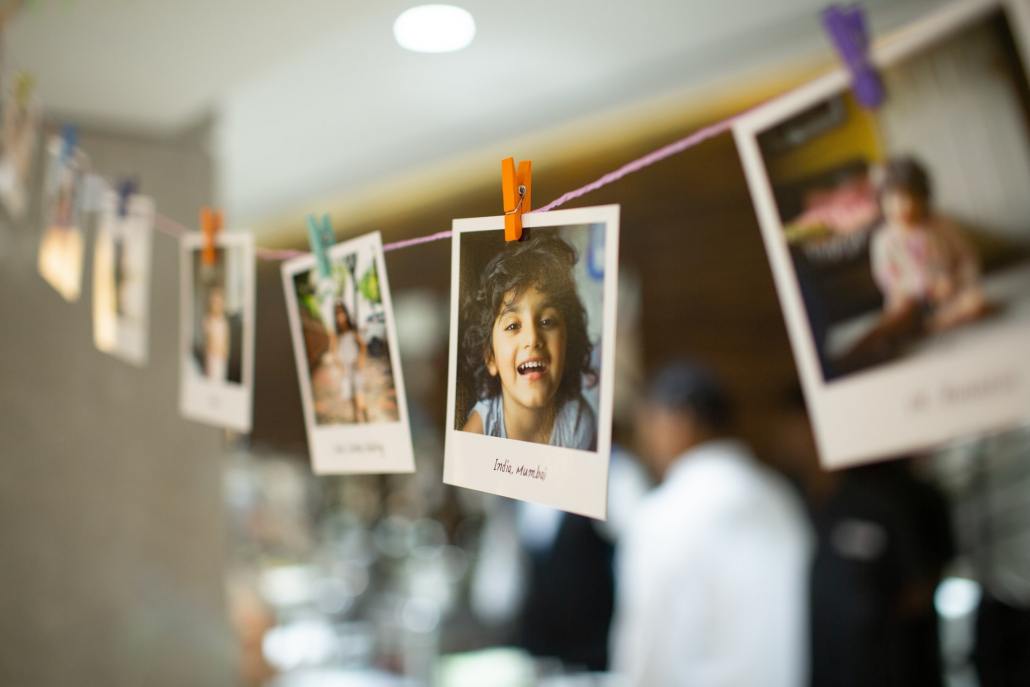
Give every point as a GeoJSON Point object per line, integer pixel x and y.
{"type": "Point", "coordinates": [847, 30]}
{"type": "Point", "coordinates": [174, 229]}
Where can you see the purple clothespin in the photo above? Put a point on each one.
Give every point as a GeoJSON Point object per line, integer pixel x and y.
{"type": "Point", "coordinates": [125, 189]}
{"type": "Point", "coordinates": [847, 29]}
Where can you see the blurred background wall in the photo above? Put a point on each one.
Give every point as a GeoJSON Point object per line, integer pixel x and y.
{"type": "Point", "coordinates": [111, 518]}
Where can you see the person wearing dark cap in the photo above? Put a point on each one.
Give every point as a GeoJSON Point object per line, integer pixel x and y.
{"type": "Point", "coordinates": [711, 576]}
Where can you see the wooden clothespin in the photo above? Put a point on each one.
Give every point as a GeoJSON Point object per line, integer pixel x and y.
{"type": "Point", "coordinates": [516, 188]}
{"type": "Point", "coordinates": [126, 188]}
{"type": "Point", "coordinates": [849, 34]}
{"type": "Point", "coordinates": [210, 224]}
{"type": "Point", "coordinates": [321, 238]}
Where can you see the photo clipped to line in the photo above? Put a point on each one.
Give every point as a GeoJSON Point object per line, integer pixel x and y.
{"type": "Point", "coordinates": [121, 277]}
{"type": "Point", "coordinates": [348, 361]}
{"type": "Point", "coordinates": [61, 248]}
{"type": "Point", "coordinates": [21, 132]}
{"type": "Point", "coordinates": [899, 237]}
{"type": "Point", "coordinates": [532, 358]}
{"type": "Point", "coordinates": [217, 330]}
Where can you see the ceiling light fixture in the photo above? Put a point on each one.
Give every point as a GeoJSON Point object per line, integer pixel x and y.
{"type": "Point", "coordinates": [434, 28]}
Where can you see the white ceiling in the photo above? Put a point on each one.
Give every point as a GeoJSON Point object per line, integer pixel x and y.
{"type": "Point", "coordinates": [313, 97]}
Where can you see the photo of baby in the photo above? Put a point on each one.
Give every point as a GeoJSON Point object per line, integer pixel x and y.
{"type": "Point", "coordinates": [902, 246]}
{"type": "Point", "coordinates": [217, 330]}
{"type": "Point", "coordinates": [217, 352]}
{"type": "Point", "coordinates": [525, 352]}
{"type": "Point", "coordinates": [346, 341]}
{"type": "Point", "coordinates": [899, 236]}
{"type": "Point", "coordinates": [532, 357]}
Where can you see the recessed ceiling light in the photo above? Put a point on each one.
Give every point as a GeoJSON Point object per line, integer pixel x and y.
{"type": "Point", "coordinates": [434, 28]}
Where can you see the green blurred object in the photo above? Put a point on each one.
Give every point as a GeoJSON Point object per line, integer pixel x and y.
{"type": "Point", "coordinates": [504, 667]}
{"type": "Point", "coordinates": [369, 285]}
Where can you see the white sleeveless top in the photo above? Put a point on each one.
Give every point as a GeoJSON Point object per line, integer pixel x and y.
{"type": "Point", "coordinates": [348, 349]}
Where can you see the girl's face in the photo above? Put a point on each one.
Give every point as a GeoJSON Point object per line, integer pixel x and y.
{"type": "Point", "coordinates": [902, 208]}
{"type": "Point", "coordinates": [341, 321]}
{"type": "Point", "coordinates": [528, 351]}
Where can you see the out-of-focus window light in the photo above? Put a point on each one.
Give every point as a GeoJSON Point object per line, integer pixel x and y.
{"type": "Point", "coordinates": [434, 28]}
{"type": "Point", "coordinates": [956, 597]}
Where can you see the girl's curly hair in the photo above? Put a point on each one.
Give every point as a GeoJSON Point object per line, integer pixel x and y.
{"type": "Point", "coordinates": [544, 262]}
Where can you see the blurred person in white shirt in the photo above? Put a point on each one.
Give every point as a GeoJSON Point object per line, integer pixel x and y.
{"type": "Point", "coordinates": [712, 574]}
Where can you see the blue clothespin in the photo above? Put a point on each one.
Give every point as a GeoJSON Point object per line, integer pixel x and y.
{"type": "Point", "coordinates": [126, 188]}
{"type": "Point", "coordinates": [847, 29]}
{"type": "Point", "coordinates": [70, 136]}
{"type": "Point", "coordinates": [322, 239]}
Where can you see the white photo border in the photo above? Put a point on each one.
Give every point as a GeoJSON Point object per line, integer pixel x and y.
{"type": "Point", "coordinates": [221, 404]}
{"type": "Point", "coordinates": [883, 412]}
{"type": "Point", "coordinates": [360, 448]}
{"type": "Point", "coordinates": [576, 481]}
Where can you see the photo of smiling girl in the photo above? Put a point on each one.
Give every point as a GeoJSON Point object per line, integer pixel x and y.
{"type": "Point", "coordinates": [527, 349]}
{"type": "Point", "coordinates": [530, 389]}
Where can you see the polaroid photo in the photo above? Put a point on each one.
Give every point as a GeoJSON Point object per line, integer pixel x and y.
{"type": "Point", "coordinates": [61, 248]}
{"type": "Point", "coordinates": [21, 127]}
{"type": "Point", "coordinates": [532, 358]}
{"type": "Point", "coordinates": [121, 277]}
{"type": "Point", "coordinates": [348, 360]}
{"type": "Point", "coordinates": [217, 331]}
{"type": "Point", "coordinates": [899, 238]}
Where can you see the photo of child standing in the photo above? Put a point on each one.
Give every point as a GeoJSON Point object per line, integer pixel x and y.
{"type": "Point", "coordinates": [217, 318]}
{"type": "Point", "coordinates": [348, 360]}
{"type": "Point", "coordinates": [347, 349]}
{"type": "Point", "coordinates": [216, 335]}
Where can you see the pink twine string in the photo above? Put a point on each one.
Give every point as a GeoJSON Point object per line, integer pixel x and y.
{"type": "Point", "coordinates": [170, 227]}
{"type": "Point", "coordinates": [275, 255]}
{"type": "Point", "coordinates": [679, 146]}
{"type": "Point", "coordinates": [176, 230]}
{"type": "Point", "coordinates": [414, 242]}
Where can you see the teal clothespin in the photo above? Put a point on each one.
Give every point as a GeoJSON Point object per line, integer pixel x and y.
{"type": "Point", "coordinates": [69, 138]}
{"type": "Point", "coordinates": [322, 239]}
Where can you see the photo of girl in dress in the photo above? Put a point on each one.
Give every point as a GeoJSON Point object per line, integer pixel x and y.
{"type": "Point", "coordinates": [347, 347]}
{"type": "Point", "coordinates": [218, 293]}
{"type": "Point", "coordinates": [527, 353]}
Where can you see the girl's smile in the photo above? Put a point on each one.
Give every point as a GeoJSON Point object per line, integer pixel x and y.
{"type": "Point", "coordinates": [533, 370]}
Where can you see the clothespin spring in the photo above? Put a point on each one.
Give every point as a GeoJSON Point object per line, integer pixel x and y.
{"type": "Point", "coordinates": [522, 195]}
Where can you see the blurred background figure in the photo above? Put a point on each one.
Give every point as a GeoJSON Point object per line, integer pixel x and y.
{"type": "Point", "coordinates": [550, 574]}
{"type": "Point", "coordinates": [712, 572]}
{"type": "Point", "coordinates": [883, 539]}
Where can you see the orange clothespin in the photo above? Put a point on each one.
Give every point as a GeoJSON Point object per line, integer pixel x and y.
{"type": "Point", "coordinates": [516, 187]}
{"type": "Point", "coordinates": [210, 225]}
